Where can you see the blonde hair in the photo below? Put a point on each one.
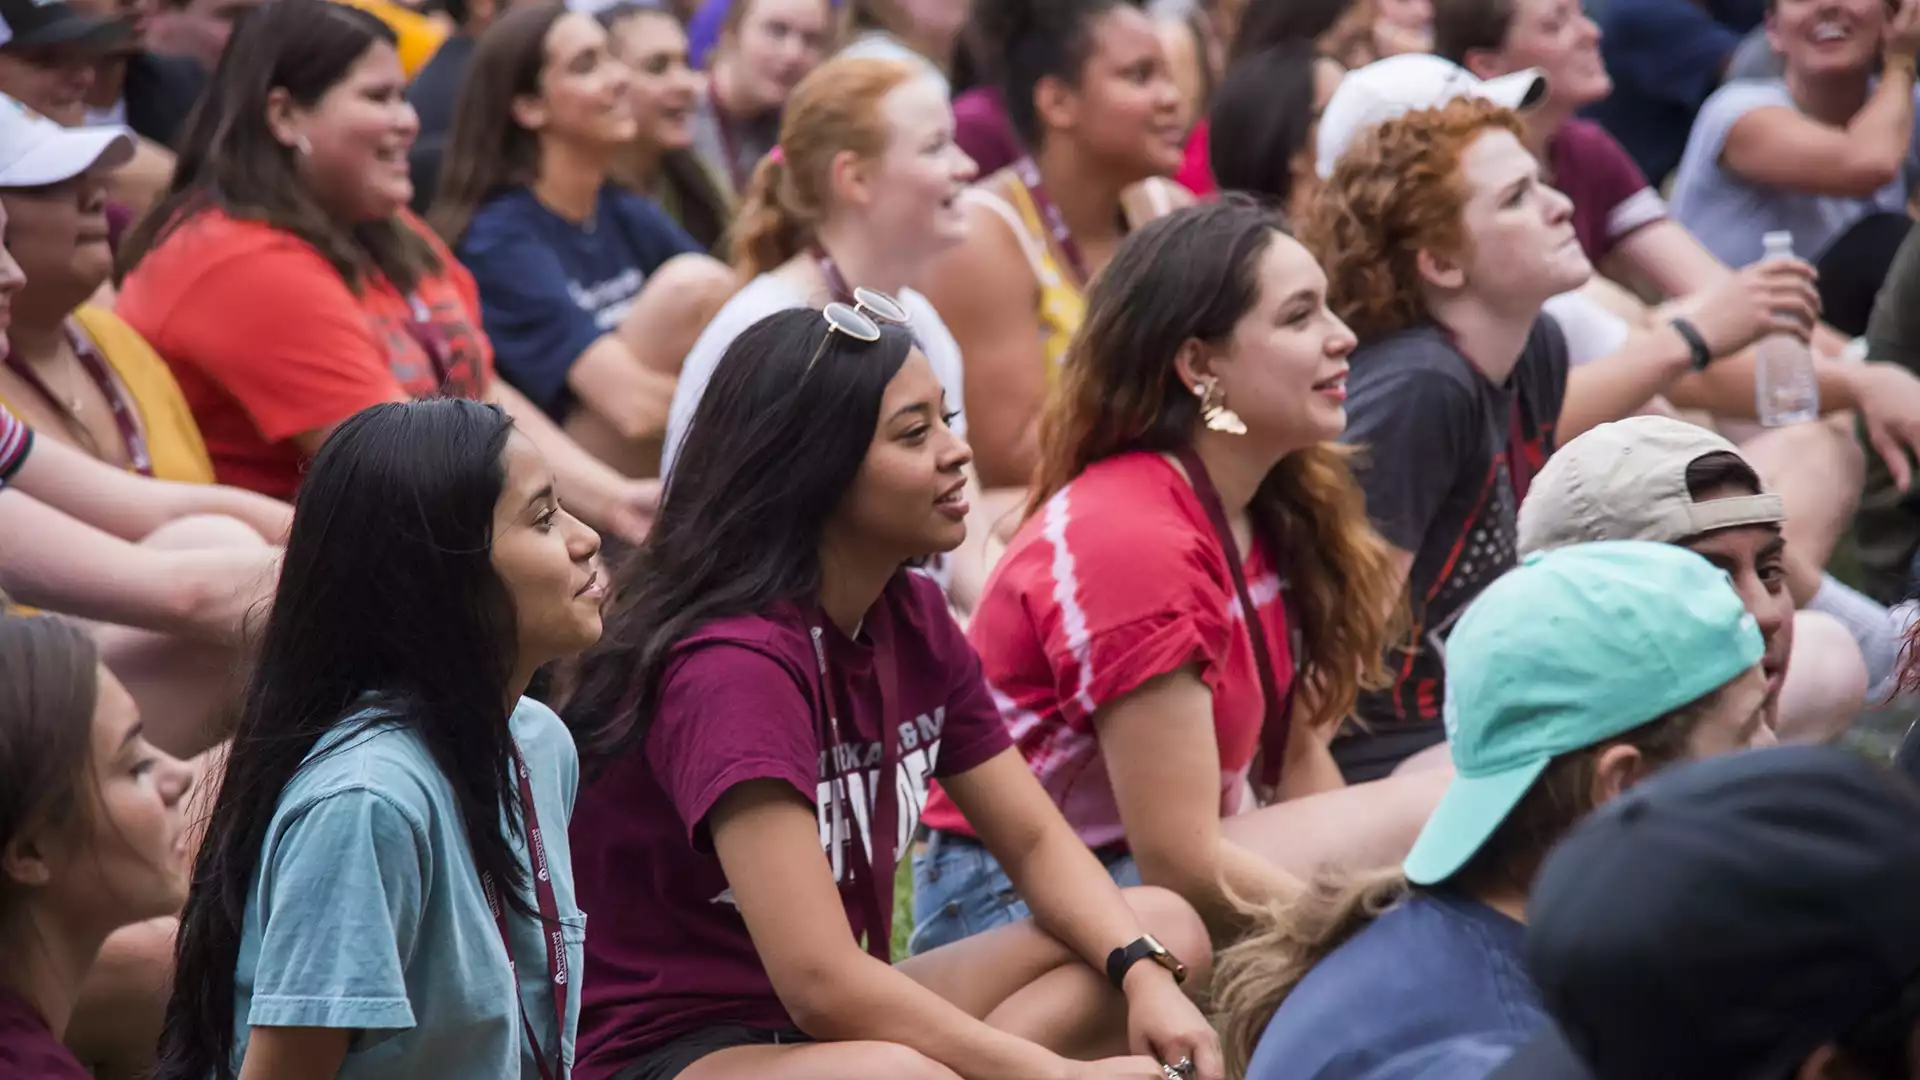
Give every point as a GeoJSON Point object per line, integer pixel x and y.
{"type": "Point", "coordinates": [834, 110]}
{"type": "Point", "coordinates": [1398, 191]}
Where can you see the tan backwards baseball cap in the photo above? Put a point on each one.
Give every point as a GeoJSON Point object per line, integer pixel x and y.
{"type": "Point", "coordinates": [1628, 481]}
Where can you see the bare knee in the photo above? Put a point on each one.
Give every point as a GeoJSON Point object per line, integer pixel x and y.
{"type": "Point", "coordinates": [1174, 923]}
{"type": "Point", "coordinates": [1826, 685]}
{"type": "Point", "coordinates": [200, 532]}
{"type": "Point", "coordinates": [883, 1059]}
{"type": "Point", "coordinates": [694, 285]}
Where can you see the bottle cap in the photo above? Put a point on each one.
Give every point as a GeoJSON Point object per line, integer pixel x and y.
{"type": "Point", "coordinates": [1777, 243]}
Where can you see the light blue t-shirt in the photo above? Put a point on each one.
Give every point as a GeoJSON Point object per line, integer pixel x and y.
{"type": "Point", "coordinates": [1729, 215]}
{"type": "Point", "coordinates": [367, 913]}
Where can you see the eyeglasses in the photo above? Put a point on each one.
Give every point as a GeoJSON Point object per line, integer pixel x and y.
{"type": "Point", "coordinates": [859, 320]}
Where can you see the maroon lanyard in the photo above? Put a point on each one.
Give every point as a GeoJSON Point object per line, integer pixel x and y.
{"type": "Point", "coordinates": [729, 141]}
{"type": "Point", "coordinates": [1050, 215]}
{"type": "Point", "coordinates": [138, 456]}
{"type": "Point", "coordinates": [426, 334]}
{"type": "Point", "coordinates": [836, 284]}
{"type": "Point", "coordinates": [876, 892]}
{"type": "Point", "coordinates": [549, 929]}
{"type": "Point", "coordinates": [1278, 728]}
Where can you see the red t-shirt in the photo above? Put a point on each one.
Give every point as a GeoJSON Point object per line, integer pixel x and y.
{"type": "Point", "coordinates": [669, 953]}
{"type": "Point", "coordinates": [1119, 578]}
{"type": "Point", "coordinates": [1196, 168]}
{"type": "Point", "coordinates": [28, 1050]}
{"type": "Point", "coordinates": [267, 341]}
{"type": "Point", "coordinates": [1611, 197]}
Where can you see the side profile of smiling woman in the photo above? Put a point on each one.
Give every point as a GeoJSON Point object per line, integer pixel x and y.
{"type": "Point", "coordinates": [366, 903]}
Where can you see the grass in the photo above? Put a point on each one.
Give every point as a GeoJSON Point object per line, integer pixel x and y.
{"type": "Point", "coordinates": [902, 908]}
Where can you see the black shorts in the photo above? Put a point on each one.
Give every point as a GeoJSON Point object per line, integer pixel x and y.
{"type": "Point", "coordinates": [669, 1061]}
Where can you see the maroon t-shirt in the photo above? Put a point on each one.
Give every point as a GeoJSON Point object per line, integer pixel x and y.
{"type": "Point", "coordinates": [28, 1050]}
{"type": "Point", "coordinates": [740, 700]}
{"type": "Point", "coordinates": [1611, 197]}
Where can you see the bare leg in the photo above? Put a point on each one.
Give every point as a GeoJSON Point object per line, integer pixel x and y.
{"type": "Point", "coordinates": [1817, 470]}
{"type": "Point", "coordinates": [186, 689]}
{"type": "Point", "coordinates": [679, 299]}
{"type": "Point", "coordinates": [1826, 687]}
{"type": "Point", "coordinates": [1363, 827]}
{"type": "Point", "coordinates": [1018, 978]}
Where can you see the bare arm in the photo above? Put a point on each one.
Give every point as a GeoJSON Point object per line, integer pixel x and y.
{"type": "Point", "coordinates": [609, 380]}
{"type": "Point", "coordinates": [1164, 762]}
{"type": "Point", "coordinates": [1781, 147]}
{"type": "Point", "coordinates": [284, 1053]}
{"type": "Point", "coordinates": [1617, 385]}
{"type": "Point", "coordinates": [601, 496]}
{"type": "Point", "coordinates": [768, 841]}
{"type": "Point", "coordinates": [51, 560]}
{"type": "Point", "coordinates": [986, 294]}
{"type": "Point", "coordinates": [130, 506]}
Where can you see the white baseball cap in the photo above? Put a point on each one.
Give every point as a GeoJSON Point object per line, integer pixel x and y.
{"type": "Point", "coordinates": [1398, 85]}
{"type": "Point", "coordinates": [35, 151]}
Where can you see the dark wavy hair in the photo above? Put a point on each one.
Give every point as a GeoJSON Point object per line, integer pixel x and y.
{"type": "Point", "coordinates": [1262, 121]}
{"type": "Point", "coordinates": [388, 595]}
{"type": "Point", "coordinates": [230, 161]}
{"type": "Point", "coordinates": [1194, 274]}
{"type": "Point", "coordinates": [774, 448]}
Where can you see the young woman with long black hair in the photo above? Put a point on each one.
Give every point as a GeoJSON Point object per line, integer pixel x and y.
{"type": "Point", "coordinates": [93, 833]}
{"type": "Point", "coordinates": [591, 294]}
{"type": "Point", "coordinates": [384, 889]}
{"type": "Point", "coordinates": [774, 695]}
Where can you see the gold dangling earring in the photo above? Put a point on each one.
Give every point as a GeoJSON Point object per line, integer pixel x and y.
{"type": "Point", "coordinates": [1213, 408]}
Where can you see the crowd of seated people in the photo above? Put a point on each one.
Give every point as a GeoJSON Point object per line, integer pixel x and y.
{"type": "Point", "coordinates": [988, 539]}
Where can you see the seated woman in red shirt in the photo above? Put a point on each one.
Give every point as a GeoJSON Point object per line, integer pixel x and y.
{"type": "Point", "coordinates": [1187, 479]}
{"type": "Point", "coordinates": [285, 283]}
{"type": "Point", "coordinates": [774, 691]}
{"type": "Point", "coordinates": [93, 828]}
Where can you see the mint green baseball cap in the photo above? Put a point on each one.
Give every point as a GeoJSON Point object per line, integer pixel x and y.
{"type": "Point", "coordinates": [1575, 646]}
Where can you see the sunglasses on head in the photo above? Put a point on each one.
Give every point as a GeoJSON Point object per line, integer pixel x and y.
{"type": "Point", "coordinates": [859, 320]}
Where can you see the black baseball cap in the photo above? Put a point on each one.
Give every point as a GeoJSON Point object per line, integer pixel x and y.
{"type": "Point", "coordinates": [1725, 919]}
{"type": "Point", "coordinates": [42, 24]}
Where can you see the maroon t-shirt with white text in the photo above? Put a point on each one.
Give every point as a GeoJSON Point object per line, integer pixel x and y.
{"type": "Point", "coordinates": [28, 1050]}
{"type": "Point", "coordinates": [740, 700]}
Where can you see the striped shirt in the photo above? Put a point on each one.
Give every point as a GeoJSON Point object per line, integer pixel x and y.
{"type": "Point", "coordinates": [16, 439]}
{"type": "Point", "coordinates": [1117, 580]}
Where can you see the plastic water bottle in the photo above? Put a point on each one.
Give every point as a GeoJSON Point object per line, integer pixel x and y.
{"type": "Point", "coordinates": [1785, 387]}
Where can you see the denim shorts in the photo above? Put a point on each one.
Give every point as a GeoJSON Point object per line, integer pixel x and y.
{"type": "Point", "coordinates": [959, 890]}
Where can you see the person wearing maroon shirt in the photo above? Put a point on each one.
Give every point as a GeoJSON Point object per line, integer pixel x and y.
{"type": "Point", "coordinates": [93, 833]}
{"type": "Point", "coordinates": [771, 662]}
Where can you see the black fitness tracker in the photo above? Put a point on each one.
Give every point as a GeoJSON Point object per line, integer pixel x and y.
{"type": "Point", "coordinates": [1121, 960]}
{"type": "Point", "coordinates": [1697, 345]}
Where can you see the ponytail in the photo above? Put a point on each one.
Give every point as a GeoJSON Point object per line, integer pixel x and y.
{"type": "Point", "coordinates": [765, 232]}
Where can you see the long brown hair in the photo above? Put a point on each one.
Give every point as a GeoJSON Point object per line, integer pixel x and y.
{"type": "Point", "coordinates": [1193, 275]}
{"type": "Point", "coordinates": [1396, 192]}
{"type": "Point", "coordinates": [49, 686]}
{"type": "Point", "coordinates": [230, 160]}
{"type": "Point", "coordinates": [1286, 939]}
{"type": "Point", "coordinates": [834, 110]}
{"type": "Point", "coordinates": [488, 152]}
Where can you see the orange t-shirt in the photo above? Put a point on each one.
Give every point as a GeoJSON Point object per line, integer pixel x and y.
{"type": "Point", "coordinates": [267, 340]}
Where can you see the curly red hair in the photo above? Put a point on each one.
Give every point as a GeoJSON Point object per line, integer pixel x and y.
{"type": "Point", "coordinates": [1396, 191]}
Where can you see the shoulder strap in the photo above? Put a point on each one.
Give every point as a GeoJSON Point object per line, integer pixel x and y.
{"type": "Point", "coordinates": [1036, 257]}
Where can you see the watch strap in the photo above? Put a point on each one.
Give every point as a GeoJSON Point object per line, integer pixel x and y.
{"type": "Point", "coordinates": [1696, 342]}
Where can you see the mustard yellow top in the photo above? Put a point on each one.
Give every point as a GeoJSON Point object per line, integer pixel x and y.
{"type": "Point", "coordinates": [1062, 307]}
{"type": "Point", "coordinates": [419, 35]}
{"type": "Point", "coordinates": [173, 439]}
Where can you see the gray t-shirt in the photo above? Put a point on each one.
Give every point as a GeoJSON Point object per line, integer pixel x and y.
{"type": "Point", "coordinates": [367, 912]}
{"type": "Point", "coordinates": [1730, 214]}
{"type": "Point", "coordinates": [766, 295]}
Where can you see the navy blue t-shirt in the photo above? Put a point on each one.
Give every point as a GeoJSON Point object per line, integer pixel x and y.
{"type": "Point", "coordinates": [1436, 967]}
{"type": "Point", "coordinates": [550, 287]}
{"type": "Point", "coordinates": [1665, 57]}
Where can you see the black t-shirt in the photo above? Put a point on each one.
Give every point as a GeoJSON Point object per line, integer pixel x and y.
{"type": "Point", "coordinates": [1436, 437]}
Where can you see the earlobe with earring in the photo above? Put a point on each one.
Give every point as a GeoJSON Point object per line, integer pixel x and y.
{"type": "Point", "coordinates": [1213, 408]}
